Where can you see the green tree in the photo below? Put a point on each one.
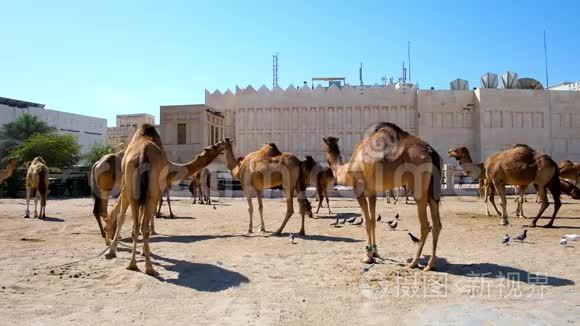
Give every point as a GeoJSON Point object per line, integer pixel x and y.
{"type": "Point", "coordinates": [14, 134]}
{"type": "Point", "coordinates": [96, 153]}
{"type": "Point", "coordinates": [59, 151]}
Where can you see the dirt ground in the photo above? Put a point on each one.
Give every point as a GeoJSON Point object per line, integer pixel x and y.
{"type": "Point", "coordinates": [212, 272]}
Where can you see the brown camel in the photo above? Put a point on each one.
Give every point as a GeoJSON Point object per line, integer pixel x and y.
{"type": "Point", "coordinates": [319, 176]}
{"type": "Point", "coordinates": [389, 157]}
{"type": "Point", "coordinates": [146, 171]}
{"type": "Point", "coordinates": [268, 168]}
{"type": "Point", "coordinates": [200, 186]}
{"type": "Point", "coordinates": [391, 194]}
{"type": "Point", "coordinates": [37, 179]}
{"type": "Point", "coordinates": [105, 178]}
{"type": "Point", "coordinates": [166, 194]}
{"type": "Point", "coordinates": [566, 187]}
{"type": "Point", "coordinates": [520, 166]}
{"type": "Point", "coordinates": [10, 168]}
{"type": "Point", "coordinates": [570, 170]}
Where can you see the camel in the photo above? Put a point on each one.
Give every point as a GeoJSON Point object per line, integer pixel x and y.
{"type": "Point", "coordinates": [37, 179]}
{"type": "Point", "coordinates": [10, 168]}
{"type": "Point", "coordinates": [570, 170]}
{"type": "Point", "coordinates": [566, 187]}
{"type": "Point", "coordinates": [319, 176]}
{"type": "Point", "coordinates": [391, 194]}
{"type": "Point", "coordinates": [520, 166]}
{"type": "Point", "coordinates": [166, 194]}
{"type": "Point", "coordinates": [105, 178]}
{"type": "Point", "coordinates": [146, 171]}
{"type": "Point", "coordinates": [266, 168]}
{"type": "Point", "coordinates": [386, 158]}
{"type": "Point", "coordinates": [200, 185]}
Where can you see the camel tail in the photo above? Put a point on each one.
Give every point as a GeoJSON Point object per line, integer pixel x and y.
{"type": "Point", "coordinates": [554, 185]}
{"type": "Point", "coordinates": [42, 186]}
{"type": "Point", "coordinates": [301, 191]}
{"type": "Point", "coordinates": [99, 205]}
{"type": "Point", "coordinates": [143, 178]}
{"type": "Point", "coordinates": [435, 186]}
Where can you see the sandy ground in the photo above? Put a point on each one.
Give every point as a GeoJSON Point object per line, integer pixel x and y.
{"type": "Point", "coordinates": [212, 272]}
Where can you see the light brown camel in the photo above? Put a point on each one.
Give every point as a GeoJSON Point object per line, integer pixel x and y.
{"type": "Point", "coordinates": [10, 168]}
{"type": "Point", "coordinates": [37, 179]}
{"type": "Point", "coordinates": [267, 168]}
{"type": "Point", "coordinates": [570, 170]}
{"type": "Point", "coordinates": [146, 171]}
{"type": "Point", "coordinates": [391, 194]}
{"type": "Point", "coordinates": [389, 157]}
{"type": "Point", "coordinates": [200, 186]}
{"type": "Point", "coordinates": [105, 178]}
{"type": "Point", "coordinates": [566, 187]}
{"type": "Point", "coordinates": [520, 166]}
{"type": "Point", "coordinates": [319, 176]}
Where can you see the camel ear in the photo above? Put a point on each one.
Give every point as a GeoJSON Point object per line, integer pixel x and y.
{"type": "Point", "coordinates": [325, 140]}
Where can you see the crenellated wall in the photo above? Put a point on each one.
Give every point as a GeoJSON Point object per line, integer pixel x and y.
{"type": "Point", "coordinates": [484, 120]}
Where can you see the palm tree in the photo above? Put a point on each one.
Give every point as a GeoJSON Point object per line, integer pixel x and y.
{"type": "Point", "coordinates": [15, 133]}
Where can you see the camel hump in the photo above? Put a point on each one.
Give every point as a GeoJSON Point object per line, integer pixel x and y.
{"type": "Point", "coordinates": [523, 146]}
{"type": "Point", "coordinates": [386, 125]}
{"type": "Point", "coordinates": [271, 149]}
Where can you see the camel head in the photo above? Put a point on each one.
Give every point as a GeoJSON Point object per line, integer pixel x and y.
{"type": "Point", "coordinates": [331, 144]}
{"type": "Point", "coordinates": [38, 160]}
{"type": "Point", "coordinates": [459, 153]}
{"type": "Point", "coordinates": [13, 162]}
{"type": "Point", "coordinates": [570, 189]}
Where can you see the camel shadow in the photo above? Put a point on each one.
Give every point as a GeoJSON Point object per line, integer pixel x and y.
{"type": "Point", "coordinates": [340, 216]}
{"type": "Point", "coordinates": [199, 276]}
{"type": "Point", "coordinates": [52, 219]}
{"type": "Point", "coordinates": [324, 238]}
{"type": "Point", "coordinates": [495, 271]}
{"type": "Point", "coordinates": [163, 217]}
{"type": "Point", "coordinates": [180, 238]}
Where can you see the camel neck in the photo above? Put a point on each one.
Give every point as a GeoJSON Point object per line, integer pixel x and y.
{"type": "Point", "coordinates": [231, 162]}
{"type": "Point", "coordinates": [201, 160]}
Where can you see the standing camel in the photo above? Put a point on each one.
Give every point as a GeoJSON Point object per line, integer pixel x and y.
{"type": "Point", "coordinates": [201, 185]}
{"type": "Point", "coordinates": [267, 168]}
{"type": "Point", "coordinates": [146, 171]}
{"type": "Point", "coordinates": [570, 170]}
{"type": "Point", "coordinates": [37, 179]}
{"type": "Point", "coordinates": [10, 168]}
{"type": "Point", "coordinates": [386, 158]}
{"type": "Point", "coordinates": [319, 176]}
{"type": "Point", "coordinates": [166, 194]}
{"type": "Point", "coordinates": [520, 166]}
{"type": "Point", "coordinates": [105, 178]}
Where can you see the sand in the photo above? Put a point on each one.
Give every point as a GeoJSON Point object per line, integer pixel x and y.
{"type": "Point", "coordinates": [212, 272]}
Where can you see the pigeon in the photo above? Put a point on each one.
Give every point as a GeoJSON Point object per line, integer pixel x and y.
{"type": "Point", "coordinates": [335, 222]}
{"type": "Point", "coordinates": [571, 237]}
{"type": "Point", "coordinates": [379, 218]}
{"type": "Point", "coordinates": [351, 220]}
{"type": "Point", "coordinates": [213, 206]}
{"type": "Point", "coordinates": [389, 222]}
{"type": "Point", "coordinates": [413, 238]}
{"type": "Point", "coordinates": [343, 221]}
{"type": "Point", "coordinates": [563, 241]}
{"type": "Point", "coordinates": [397, 216]}
{"type": "Point", "coordinates": [506, 239]}
{"type": "Point", "coordinates": [393, 226]}
{"type": "Point", "coordinates": [291, 238]}
{"type": "Point", "coordinates": [358, 223]}
{"type": "Point", "coordinates": [522, 236]}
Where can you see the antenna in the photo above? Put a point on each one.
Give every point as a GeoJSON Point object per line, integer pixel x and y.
{"type": "Point", "coordinates": [549, 95]}
{"type": "Point", "coordinates": [360, 74]}
{"type": "Point", "coordinates": [404, 73]}
{"type": "Point", "coordinates": [409, 58]}
{"type": "Point", "coordinates": [546, 60]}
{"type": "Point", "coordinates": [275, 70]}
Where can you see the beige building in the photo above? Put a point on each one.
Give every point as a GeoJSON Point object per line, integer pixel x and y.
{"type": "Point", "coordinates": [567, 86]}
{"type": "Point", "coordinates": [187, 129]}
{"type": "Point", "coordinates": [485, 120]}
{"type": "Point", "coordinates": [126, 126]}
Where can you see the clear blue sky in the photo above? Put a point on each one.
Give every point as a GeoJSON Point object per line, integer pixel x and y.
{"type": "Point", "coordinates": [105, 58]}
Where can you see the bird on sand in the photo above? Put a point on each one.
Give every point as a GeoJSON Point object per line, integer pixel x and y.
{"type": "Point", "coordinates": [379, 218]}
{"type": "Point", "coordinates": [359, 222]}
{"type": "Point", "coordinates": [522, 236]}
{"type": "Point", "coordinates": [291, 238]}
{"type": "Point", "coordinates": [506, 239]}
{"type": "Point", "coordinates": [343, 221]}
{"type": "Point", "coordinates": [352, 219]}
{"type": "Point", "coordinates": [393, 226]}
{"type": "Point", "coordinates": [397, 216]}
{"type": "Point", "coordinates": [335, 222]}
{"type": "Point", "coordinates": [413, 238]}
{"type": "Point", "coordinates": [213, 206]}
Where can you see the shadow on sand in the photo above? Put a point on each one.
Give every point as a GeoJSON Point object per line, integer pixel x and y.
{"type": "Point", "coordinates": [52, 219]}
{"type": "Point", "coordinates": [495, 271]}
{"type": "Point", "coordinates": [177, 238]}
{"type": "Point", "coordinates": [200, 277]}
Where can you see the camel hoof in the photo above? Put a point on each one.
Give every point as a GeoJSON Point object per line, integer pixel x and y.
{"type": "Point", "coordinates": [26, 216]}
{"type": "Point", "coordinates": [262, 229]}
{"type": "Point", "coordinates": [111, 255]}
{"type": "Point", "coordinates": [151, 272]}
{"type": "Point", "coordinates": [277, 233]}
{"type": "Point", "coordinates": [532, 226]}
{"type": "Point", "coordinates": [368, 260]}
{"type": "Point", "coordinates": [302, 232]}
{"type": "Point", "coordinates": [133, 267]}
{"type": "Point", "coordinates": [413, 265]}
{"type": "Point", "coordinates": [171, 216]}
{"type": "Point", "coordinates": [549, 226]}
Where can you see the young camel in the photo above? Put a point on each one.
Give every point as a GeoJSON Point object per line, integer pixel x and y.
{"type": "Point", "coordinates": [37, 179]}
{"type": "Point", "coordinates": [146, 172]}
{"type": "Point", "coordinates": [389, 157]}
{"type": "Point", "coordinates": [319, 176]}
{"type": "Point", "coordinates": [200, 186]}
{"type": "Point", "coordinates": [267, 168]}
{"type": "Point", "coordinates": [570, 170]}
{"type": "Point", "coordinates": [520, 166]}
{"type": "Point", "coordinates": [10, 168]}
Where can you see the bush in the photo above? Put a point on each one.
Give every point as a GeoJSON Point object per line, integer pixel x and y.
{"type": "Point", "coordinates": [61, 151]}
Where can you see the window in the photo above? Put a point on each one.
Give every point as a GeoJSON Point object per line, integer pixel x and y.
{"type": "Point", "coordinates": [211, 135]}
{"type": "Point", "coordinates": [181, 134]}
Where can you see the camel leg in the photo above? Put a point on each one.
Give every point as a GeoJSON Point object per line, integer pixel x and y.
{"type": "Point", "coordinates": [158, 215]}
{"type": "Point", "coordinates": [147, 216]}
{"type": "Point", "coordinates": [136, 219]}
{"type": "Point", "coordinates": [372, 200]}
{"type": "Point", "coordinates": [321, 196]}
{"type": "Point", "coordinates": [208, 195]}
{"type": "Point", "coordinates": [327, 201]}
{"type": "Point", "coordinates": [117, 218]}
{"type": "Point", "coordinates": [422, 213]}
{"type": "Point", "coordinates": [289, 210]}
{"type": "Point", "coordinates": [169, 205]}
{"type": "Point", "coordinates": [436, 219]}
{"type": "Point", "coordinates": [250, 211]}
{"type": "Point", "coordinates": [522, 195]}
{"type": "Point", "coordinates": [492, 200]}
{"type": "Point", "coordinates": [260, 194]}
{"type": "Point", "coordinates": [557, 204]}
{"type": "Point", "coordinates": [362, 201]}
{"type": "Point", "coordinates": [36, 195]}
{"type": "Point", "coordinates": [500, 188]}
{"type": "Point", "coordinates": [544, 204]}
{"type": "Point", "coordinates": [27, 214]}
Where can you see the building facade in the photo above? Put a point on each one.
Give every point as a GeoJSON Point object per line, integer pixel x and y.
{"type": "Point", "coordinates": [187, 129]}
{"type": "Point", "coordinates": [126, 126]}
{"type": "Point", "coordinates": [567, 86]}
{"type": "Point", "coordinates": [484, 120]}
{"type": "Point", "coordinates": [90, 131]}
